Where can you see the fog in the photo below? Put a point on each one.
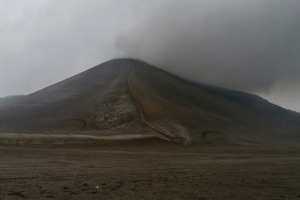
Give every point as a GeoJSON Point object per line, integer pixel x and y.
{"type": "Point", "coordinates": [249, 45]}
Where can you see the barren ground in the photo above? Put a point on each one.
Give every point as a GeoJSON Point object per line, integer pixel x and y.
{"type": "Point", "coordinates": [146, 169]}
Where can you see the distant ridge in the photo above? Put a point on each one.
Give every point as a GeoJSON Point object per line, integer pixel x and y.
{"type": "Point", "coordinates": [128, 94]}
{"type": "Point", "coordinates": [9, 99]}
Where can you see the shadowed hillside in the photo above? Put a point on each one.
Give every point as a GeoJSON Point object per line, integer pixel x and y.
{"type": "Point", "coordinates": [127, 94]}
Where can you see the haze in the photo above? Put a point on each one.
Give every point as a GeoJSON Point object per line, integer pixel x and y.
{"type": "Point", "coordinates": [252, 46]}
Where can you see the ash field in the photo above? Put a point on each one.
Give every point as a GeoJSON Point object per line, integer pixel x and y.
{"type": "Point", "coordinates": [128, 130]}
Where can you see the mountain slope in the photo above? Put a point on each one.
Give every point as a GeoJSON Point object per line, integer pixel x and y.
{"type": "Point", "coordinates": [130, 94]}
{"type": "Point", "coordinates": [74, 104]}
{"type": "Point", "coordinates": [185, 108]}
{"type": "Point", "coordinates": [9, 99]}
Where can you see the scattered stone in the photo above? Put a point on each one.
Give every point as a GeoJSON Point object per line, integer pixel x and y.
{"type": "Point", "coordinates": [84, 184]}
{"type": "Point", "coordinates": [66, 188]}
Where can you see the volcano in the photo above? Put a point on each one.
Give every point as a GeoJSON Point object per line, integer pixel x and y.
{"type": "Point", "coordinates": [126, 95]}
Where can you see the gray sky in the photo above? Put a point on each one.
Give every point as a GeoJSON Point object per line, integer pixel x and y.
{"type": "Point", "coordinates": [249, 45]}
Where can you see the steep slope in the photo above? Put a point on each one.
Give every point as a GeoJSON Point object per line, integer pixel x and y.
{"type": "Point", "coordinates": [95, 99]}
{"type": "Point", "coordinates": [197, 112]}
{"type": "Point", "coordinates": [130, 94]}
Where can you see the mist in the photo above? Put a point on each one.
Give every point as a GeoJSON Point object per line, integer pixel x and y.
{"type": "Point", "coordinates": [253, 46]}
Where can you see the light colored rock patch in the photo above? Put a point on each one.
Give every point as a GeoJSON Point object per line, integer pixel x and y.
{"type": "Point", "coordinates": [118, 111]}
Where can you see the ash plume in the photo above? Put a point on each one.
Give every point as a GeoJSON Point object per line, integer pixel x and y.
{"type": "Point", "coordinates": [244, 45]}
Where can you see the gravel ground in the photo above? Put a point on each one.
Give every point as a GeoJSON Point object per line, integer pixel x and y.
{"type": "Point", "coordinates": [146, 169]}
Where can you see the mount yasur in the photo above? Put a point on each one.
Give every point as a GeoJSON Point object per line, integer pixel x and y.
{"type": "Point", "coordinates": [125, 96]}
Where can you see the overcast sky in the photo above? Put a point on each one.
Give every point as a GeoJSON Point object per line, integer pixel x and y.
{"type": "Point", "coordinates": [249, 45]}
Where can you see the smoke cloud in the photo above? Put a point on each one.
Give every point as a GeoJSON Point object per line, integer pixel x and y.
{"type": "Point", "coordinates": [252, 46]}
{"type": "Point", "coordinates": [245, 45]}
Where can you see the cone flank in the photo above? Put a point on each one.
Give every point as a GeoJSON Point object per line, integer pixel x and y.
{"type": "Point", "coordinates": [128, 94]}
